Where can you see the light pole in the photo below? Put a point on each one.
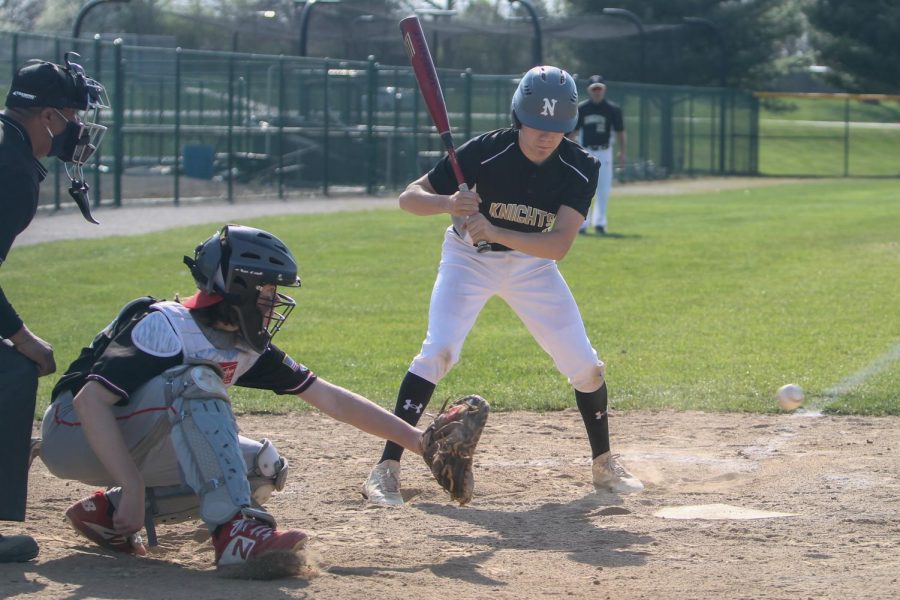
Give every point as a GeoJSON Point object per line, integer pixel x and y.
{"type": "Point", "coordinates": [537, 56]}
{"type": "Point", "coordinates": [723, 79]}
{"type": "Point", "coordinates": [304, 22]}
{"type": "Point", "coordinates": [627, 14]}
{"type": "Point", "coordinates": [76, 29]}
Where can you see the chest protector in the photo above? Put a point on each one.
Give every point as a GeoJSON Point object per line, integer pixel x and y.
{"type": "Point", "coordinates": [200, 343]}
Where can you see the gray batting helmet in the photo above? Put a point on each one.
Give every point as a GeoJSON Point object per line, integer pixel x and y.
{"type": "Point", "coordinates": [546, 99]}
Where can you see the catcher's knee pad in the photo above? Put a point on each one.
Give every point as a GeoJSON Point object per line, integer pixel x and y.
{"type": "Point", "coordinates": [589, 379]}
{"type": "Point", "coordinates": [205, 438]}
{"type": "Point", "coordinates": [179, 503]}
{"type": "Point", "coordinates": [268, 473]}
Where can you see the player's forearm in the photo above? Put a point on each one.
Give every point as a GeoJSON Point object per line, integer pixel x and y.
{"type": "Point", "coordinates": [92, 405]}
{"type": "Point", "coordinates": [418, 200]}
{"type": "Point", "coordinates": [351, 408]}
{"type": "Point", "coordinates": [553, 245]}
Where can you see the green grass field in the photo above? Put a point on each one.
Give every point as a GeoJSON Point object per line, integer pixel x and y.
{"type": "Point", "coordinates": [697, 302]}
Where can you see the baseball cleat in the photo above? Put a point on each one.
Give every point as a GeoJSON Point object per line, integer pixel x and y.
{"type": "Point", "coordinates": [17, 548]}
{"type": "Point", "coordinates": [611, 476]}
{"type": "Point", "coordinates": [382, 488]}
{"type": "Point", "coordinates": [250, 548]}
{"type": "Point", "coordinates": [92, 517]}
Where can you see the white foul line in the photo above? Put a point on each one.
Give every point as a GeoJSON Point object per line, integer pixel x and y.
{"type": "Point", "coordinates": [848, 384]}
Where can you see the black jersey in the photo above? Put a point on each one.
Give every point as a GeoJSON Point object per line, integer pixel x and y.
{"type": "Point", "coordinates": [20, 177]}
{"type": "Point", "coordinates": [115, 362]}
{"type": "Point", "coordinates": [516, 193]}
{"type": "Point", "coordinates": [597, 121]}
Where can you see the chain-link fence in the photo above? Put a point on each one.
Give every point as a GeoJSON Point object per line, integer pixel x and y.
{"type": "Point", "coordinates": [189, 124]}
{"type": "Point", "coordinates": [829, 135]}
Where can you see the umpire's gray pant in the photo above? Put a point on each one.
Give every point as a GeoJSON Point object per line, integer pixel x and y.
{"type": "Point", "coordinates": [18, 394]}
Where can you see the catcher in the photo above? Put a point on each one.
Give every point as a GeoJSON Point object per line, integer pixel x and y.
{"type": "Point", "coordinates": [144, 411]}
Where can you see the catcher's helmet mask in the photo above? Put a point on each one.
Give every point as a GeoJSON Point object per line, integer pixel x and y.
{"type": "Point", "coordinates": [235, 264]}
{"type": "Point", "coordinates": [546, 99]}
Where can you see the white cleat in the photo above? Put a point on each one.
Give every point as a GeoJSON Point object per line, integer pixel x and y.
{"type": "Point", "coordinates": [611, 476]}
{"type": "Point", "coordinates": [382, 488]}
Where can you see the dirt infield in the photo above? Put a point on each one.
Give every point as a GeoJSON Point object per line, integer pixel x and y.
{"type": "Point", "coordinates": [535, 528]}
{"type": "Point", "coordinates": [824, 491]}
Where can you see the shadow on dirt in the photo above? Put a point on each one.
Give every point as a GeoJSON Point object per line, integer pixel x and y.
{"type": "Point", "coordinates": [571, 528]}
{"type": "Point", "coordinates": [93, 573]}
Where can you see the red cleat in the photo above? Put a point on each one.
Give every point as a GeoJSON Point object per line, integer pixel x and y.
{"type": "Point", "coordinates": [248, 547]}
{"type": "Point", "coordinates": [92, 517]}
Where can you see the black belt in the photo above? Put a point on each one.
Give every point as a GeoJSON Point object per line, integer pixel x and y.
{"type": "Point", "coordinates": [598, 147]}
{"type": "Point", "coordinates": [494, 247]}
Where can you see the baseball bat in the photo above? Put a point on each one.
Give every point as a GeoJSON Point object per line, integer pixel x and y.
{"type": "Point", "coordinates": [430, 87]}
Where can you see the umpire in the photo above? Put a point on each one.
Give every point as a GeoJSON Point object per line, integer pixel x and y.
{"type": "Point", "coordinates": [51, 110]}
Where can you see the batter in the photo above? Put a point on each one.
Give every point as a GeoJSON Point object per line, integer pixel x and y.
{"type": "Point", "coordinates": [531, 191]}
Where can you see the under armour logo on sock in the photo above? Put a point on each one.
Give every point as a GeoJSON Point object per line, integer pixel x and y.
{"type": "Point", "coordinates": [409, 406]}
{"type": "Point", "coordinates": [601, 414]}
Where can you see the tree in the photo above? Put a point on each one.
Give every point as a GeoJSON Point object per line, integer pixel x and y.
{"type": "Point", "coordinates": [859, 42]}
{"type": "Point", "coordinates": [20, 15]}
{"type": "Point", "coordinates": [755, 34]}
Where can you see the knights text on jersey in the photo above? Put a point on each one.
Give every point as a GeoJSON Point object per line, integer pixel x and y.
{"type": "Point", "coordinates": [515, 193]}
{"type": "Point", "coordinates": [597, 121]}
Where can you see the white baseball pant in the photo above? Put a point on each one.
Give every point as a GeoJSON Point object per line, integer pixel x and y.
{"type": "Point", "coordinates": [597, 214]}
{"type": "Point", "coordinates": [534, 289]}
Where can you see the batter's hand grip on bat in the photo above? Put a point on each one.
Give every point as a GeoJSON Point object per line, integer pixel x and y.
{"type": "Point", "coordinates": [463, 186]}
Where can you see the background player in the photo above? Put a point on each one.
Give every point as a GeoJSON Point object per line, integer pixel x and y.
{"type": "Point", "coordinates": [597, 119]}
{"type": "Point", "coordinates": [51, 110]}
{"type": "Point", "coordinates": [146, 407]}
{"type": "Point", "coordinates": [533, 188]}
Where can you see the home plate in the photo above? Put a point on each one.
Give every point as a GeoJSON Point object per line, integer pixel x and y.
{"type": "Point", "coordinates": [717, 512]}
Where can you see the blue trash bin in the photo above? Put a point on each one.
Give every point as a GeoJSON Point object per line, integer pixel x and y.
{"type": "Point", "coordinates": [198, 160]}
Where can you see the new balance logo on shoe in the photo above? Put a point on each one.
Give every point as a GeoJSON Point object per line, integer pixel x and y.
{"type": "Point", "coordinates": [249, 548]}
{"type": "Point", "coordinates": [92, 517]}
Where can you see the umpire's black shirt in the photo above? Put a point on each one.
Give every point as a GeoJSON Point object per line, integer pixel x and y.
{"type": "Point", "coordinates": [21, 175]}
{"type": "Point", "coordinates": [516, 193]}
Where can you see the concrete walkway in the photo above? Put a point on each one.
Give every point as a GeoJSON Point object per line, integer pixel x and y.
{"type": "Point", "coordinates": [67, 223]}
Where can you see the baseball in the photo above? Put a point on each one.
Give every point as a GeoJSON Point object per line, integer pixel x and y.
{"type": "Point", "coordinates": [790, 396]}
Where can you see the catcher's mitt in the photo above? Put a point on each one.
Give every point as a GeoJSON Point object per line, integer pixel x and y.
{"type": "Point", "coordinates": [448, 445]}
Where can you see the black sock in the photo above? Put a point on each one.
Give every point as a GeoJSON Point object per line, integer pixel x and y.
{"type": "Point", "coordinates": [593, 405]}
{"type": "Point", "coordinates": [413, 397]}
